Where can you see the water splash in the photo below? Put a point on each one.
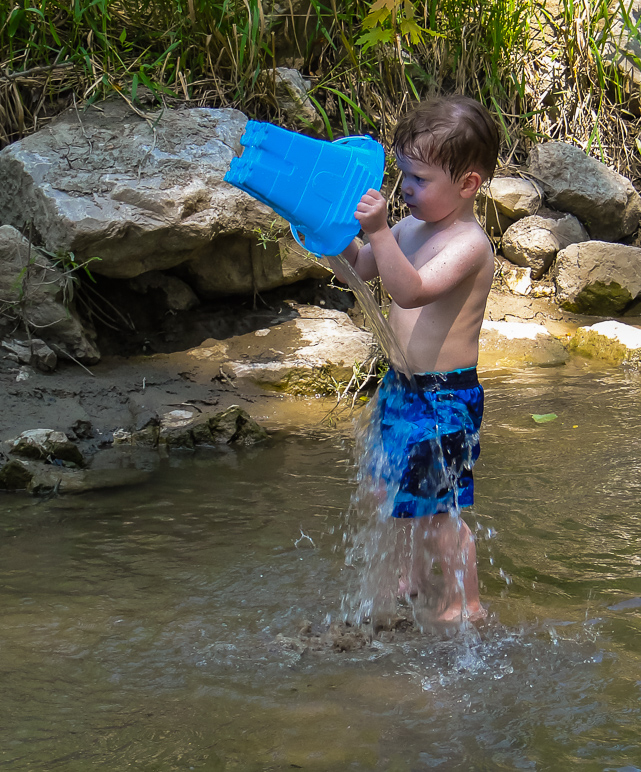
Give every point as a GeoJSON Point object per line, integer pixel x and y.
{"type": "Point", "coordinates": [393, 558]}
{"type": "Point", "coordinates": [378, 323]}
{"type": "Point", "coordinates": [397, 564]}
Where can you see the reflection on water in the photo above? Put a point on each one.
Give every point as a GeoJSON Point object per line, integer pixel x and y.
{"type": "Point", "coordinates": [140, 628]}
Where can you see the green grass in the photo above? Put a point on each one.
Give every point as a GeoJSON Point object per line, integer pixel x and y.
{"type": "Point", "coordinates": [542, 76]}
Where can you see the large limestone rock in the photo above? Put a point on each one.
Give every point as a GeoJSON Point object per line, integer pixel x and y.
{"type": "Point", "coordinates": [534, 242]}
{"type": "Point", "coordinates": [142, 194]}
{"type": "Point", "coordinates": [40, 295]}
{"type": "Point", "coordinates": [597, 277]}
{"type": "Point", "coordinates": [313, 351]}
{"type": "Point", "coordinates": [248, 266]}
{"type": "Point", "coordinates": [613, 341]}
{"type": "Point", "coordinates": [509, 344]}
{"type": "Point", "coordinates": [605, 202]}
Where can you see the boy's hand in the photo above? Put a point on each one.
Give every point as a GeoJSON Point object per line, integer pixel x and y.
{"type": "Point", "coordinates": [371, 212]}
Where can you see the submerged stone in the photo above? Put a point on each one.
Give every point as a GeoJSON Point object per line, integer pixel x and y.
{"type": "Point", "coordinates": [183, 429]}
{"type": "Point", "coordinates": [15, 476]}
{"type": "Point", "coordinates": [236, 426]}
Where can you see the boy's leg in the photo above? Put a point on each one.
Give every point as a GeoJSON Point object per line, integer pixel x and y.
{"type": "Point", "coordinates": [451, 543]}
{"type": "Point", "coordinates": [410, 557]}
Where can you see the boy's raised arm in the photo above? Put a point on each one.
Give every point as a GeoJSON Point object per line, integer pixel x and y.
{"type": "Point", "coordinates": [408, 287]}
{"type": "Point", "coordinates": [362, 260]}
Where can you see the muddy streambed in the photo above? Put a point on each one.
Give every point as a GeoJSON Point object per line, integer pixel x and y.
{"type": "Point", "coordinates": [159, 627]}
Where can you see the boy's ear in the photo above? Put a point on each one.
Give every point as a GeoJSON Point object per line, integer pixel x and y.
{"type": "Point", "coordinates": [470, 184]}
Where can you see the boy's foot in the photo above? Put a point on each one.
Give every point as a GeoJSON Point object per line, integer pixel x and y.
{"type": "Point", "coordinates": [406, 589]}
{"type": "Point", "coordinates": [454, 613]}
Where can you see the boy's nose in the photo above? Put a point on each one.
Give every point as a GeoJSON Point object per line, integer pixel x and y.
{"type": "Point", "coordinates": [406, 188]}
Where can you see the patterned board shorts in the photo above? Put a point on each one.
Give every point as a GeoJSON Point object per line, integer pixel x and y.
{"type": "Point", "coordinates": [428, 432]}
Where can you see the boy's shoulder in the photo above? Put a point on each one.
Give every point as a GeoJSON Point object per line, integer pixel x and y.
{"type": "Point", "coordinates": [417, 234]}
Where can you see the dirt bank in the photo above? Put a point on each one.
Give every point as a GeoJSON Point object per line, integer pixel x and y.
{"type": "Point", "coordinates": [90, 404]}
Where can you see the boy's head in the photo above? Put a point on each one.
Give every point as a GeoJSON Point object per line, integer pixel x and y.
{"type": "Point", "coordinates": [454, 132]}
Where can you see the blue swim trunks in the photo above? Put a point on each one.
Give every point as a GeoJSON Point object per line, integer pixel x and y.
{"type": "Point", "coordinates": [428, 432]}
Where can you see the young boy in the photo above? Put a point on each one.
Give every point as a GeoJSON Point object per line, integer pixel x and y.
{"type": "Point", "coordinates": [437, 265]}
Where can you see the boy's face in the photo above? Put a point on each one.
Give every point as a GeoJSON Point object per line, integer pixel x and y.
{"type": "Point", "coordinates": [428, 190]}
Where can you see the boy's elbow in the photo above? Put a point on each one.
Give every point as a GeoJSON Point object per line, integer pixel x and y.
{"type": "Point", "coordinates": [410, 302]}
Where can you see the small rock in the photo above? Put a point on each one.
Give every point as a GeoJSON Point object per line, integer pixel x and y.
{"type": "Point", "coordinates": [290, 90]}
{"type": "Point", "coordinates": [184, 429]}
{"type": "Point", "coordinates": [46, 444]}
{"type": "Point", "coordinates": [172, 293]}
{"type": "Point", "coordinates": [518, 280]}
{"type": "Point", "coordinates": [535, 241]}
{"type": "Point", "coordinates": [34, 352]}
{"type": "Point", "coordinates": [83, 430]}
{"type": "Point", "coordinates": [24, 373]}
{"type": "Point", "coordinates": [514, 197]}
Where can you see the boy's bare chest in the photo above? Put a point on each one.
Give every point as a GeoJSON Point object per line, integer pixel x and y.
{"type": "Point", "coordinates": [420, 245]}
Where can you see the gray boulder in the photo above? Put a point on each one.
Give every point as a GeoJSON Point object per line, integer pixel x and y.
{"type": "Point", "coordinates": [514, 197]}
{"type": "Point", "coordinates": [605, 202]}
{"type": "Point", "coordinates": [40, 295]}
{"type": "Point", "coordinates": [534, 242]}
{"type": "Point", "coordinates": [140, 194]}
{"type": "Point", "coordinates": [597, 277]}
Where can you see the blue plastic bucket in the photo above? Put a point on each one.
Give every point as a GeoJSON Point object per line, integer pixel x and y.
{"type": "Point", "coordinates": [314, 184]}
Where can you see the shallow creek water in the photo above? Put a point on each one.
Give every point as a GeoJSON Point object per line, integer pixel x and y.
{"type": "Point", "coordinates": [140, 628]}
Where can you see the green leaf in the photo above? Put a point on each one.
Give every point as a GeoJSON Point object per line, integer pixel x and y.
{"type": "Point", "coordinates": [411, 28]}
{"type": "Point", "coordinates": [375, 18]}
{"type": "Point", "coordinates": [374, 37]}
{"type": "Point", "coordinates": [14, 21]}
{"type": "Point", "coordinates": [54, 34]}
{"type": "Point", "coordinates": [544, 417]}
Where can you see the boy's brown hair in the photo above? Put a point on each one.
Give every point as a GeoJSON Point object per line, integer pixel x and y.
{"type": "Point", "coordinates": [454, 132]}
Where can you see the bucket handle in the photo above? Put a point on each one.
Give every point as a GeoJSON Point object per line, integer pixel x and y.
{"type": "Point", "coordinates": [309, 246]}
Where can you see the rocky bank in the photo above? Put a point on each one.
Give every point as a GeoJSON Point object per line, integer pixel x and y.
{"type": "Point", "coordinates": [147, 304]}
